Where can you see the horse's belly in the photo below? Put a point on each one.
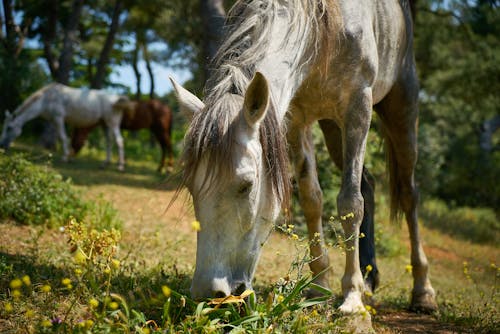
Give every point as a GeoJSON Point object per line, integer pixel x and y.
{"type": "Point", "coordinates": [81, 117]}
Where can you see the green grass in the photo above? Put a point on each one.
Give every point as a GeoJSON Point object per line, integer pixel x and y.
{"type": "Point", "coordinates": [138, 281]}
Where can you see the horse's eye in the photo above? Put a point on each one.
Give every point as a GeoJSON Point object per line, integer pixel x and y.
{"type": "Point", "coordinates": [245, 188]}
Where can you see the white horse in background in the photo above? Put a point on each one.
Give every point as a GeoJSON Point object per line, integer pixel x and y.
{"type": "Point", "coordinates": [77, 107]}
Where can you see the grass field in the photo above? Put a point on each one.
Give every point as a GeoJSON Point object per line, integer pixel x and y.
{"type": "Point", "coordinates": [139, 281]}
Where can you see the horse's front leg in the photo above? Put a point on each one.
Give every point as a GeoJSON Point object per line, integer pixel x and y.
{"type": "Point", "coordinates": [350, 201]}
{"type": "Point", "coordinates": [119, 143]}
{"type": "Point", "coordinates": [310, 197]}
{"type": "Point", "coordinates": [61, 132]}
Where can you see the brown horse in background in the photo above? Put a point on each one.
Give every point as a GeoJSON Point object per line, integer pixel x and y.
{"type": "Point", "coordinates": [138, 115]}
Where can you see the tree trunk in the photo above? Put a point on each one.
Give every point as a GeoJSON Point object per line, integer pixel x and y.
{"type": "Point", "coordinates": [103, 60]}
{"type": "Point", "coordinates": [48, 37]}
{"type": "Point", "coordinates": [11, 44]}
{"type": "Point", "coordinates": [147, 59]}
{"type": "Point", "coordinates": [135, 60]}
{"type": "Point", "coordinates": [212, 16]}
{"type": "Point", "coordinates": [69, 41]}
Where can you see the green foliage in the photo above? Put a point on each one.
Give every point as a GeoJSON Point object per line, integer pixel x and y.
{"type": "Point", "coordinates": [36, 195]}
{"type": "Point", "coordinates": [474, 224]}
{"type": "Point", "coordinates": [457, 50]}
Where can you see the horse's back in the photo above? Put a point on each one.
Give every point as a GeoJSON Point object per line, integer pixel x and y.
{"type": "Point", "coordinates": [373, 51]}
{"type": "Point", "coordinates": [85, 107]}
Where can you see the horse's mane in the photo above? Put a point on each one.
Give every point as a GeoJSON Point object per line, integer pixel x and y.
{"type": "Point", "coordinates": [247, 38]}
{"type": "Point", "coordinates": [32, 98]}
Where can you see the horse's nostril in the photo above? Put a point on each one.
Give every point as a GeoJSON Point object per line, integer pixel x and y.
{"type": "Point", "coordinates": [240, 289]}
{"type": "Point", "coordinates": [219, 294]}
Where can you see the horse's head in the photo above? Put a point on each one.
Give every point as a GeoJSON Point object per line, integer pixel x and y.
{"type": "Point", "coordinates": [10, 130]}
{"type": "Point", "coordinates": [227, 175]}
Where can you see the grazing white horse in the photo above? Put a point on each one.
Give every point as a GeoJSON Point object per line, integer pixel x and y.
{"type": "Point", "coordinates": [283, 66]}
{"type": "Point", "coordinates": [76, 107]}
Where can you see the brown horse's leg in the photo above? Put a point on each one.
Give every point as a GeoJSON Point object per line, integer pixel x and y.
{"type": "Point", "coordinates": [310, 197]}
{"type": "Point", "coordinates": [399, 114]}
{"type": "Point", "coordinates": [164, 139]}
{"type": "Point", "coordinates": [333, 140]}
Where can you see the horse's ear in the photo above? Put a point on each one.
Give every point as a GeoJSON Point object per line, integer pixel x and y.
{"type": "Point", "coordinates": [188, 102]}
{"type": "Point", "coordinates": [256, 100]}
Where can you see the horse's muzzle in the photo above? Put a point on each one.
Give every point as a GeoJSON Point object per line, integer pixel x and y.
{"type": "Point", "coordinates": [218, 288]}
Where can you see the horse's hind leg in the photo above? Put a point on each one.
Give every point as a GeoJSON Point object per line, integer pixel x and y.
{"type": "Point", "coordinates": [61, 131]}
{"type": "Point", "coordinates": [310, 197]}
{"type": "Point", "coordinates": [333, 140]}
{"type": "Point", "coordinates": [399, 114]}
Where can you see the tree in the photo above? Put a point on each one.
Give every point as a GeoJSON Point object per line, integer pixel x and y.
{"type": "Point", "coordinates": [103, 61]}
{"type": "Point", "coordinates": [14, 60]}
{"type": "Point", "coordinates": [458, 56]}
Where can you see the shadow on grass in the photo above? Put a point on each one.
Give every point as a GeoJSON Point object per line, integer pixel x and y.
{"type": "Point", "coordinates": [88, 170]}
{"type": "Point", "coordinates": [18, 265]}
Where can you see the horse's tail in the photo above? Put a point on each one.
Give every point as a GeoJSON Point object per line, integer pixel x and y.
{"type": "Point", "coordinates": [394, 178]}
{"type": "Point", "coordinates": [33, 98]}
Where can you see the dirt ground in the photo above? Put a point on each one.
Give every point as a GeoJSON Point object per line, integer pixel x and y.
{"type": "Point", "coordinates": [155, 232]}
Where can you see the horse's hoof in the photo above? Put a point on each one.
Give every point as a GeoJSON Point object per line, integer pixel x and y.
{"type": "Point", "coordinates": [423, 303]}
{"type": "Point", "coordinates": [352, 304]}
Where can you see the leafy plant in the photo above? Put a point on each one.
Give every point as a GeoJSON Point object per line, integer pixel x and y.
{"type": "Point", "coordinates": [36, 195]}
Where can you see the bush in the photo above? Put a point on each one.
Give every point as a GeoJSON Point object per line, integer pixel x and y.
{"type": "Point", "coordinates": [473, 224]}
{"type": "Point", "coordinates": [35, 195]}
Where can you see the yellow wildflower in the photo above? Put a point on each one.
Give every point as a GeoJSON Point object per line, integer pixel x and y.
{"type": "Point", "coordinates": [107, 271]}
{"type": "Point", "coordinates": [280, 298]}
{"type": "Point", "coordinates": [409, 268]}
{"type": "Point", "coordinates": [145, 330]}
{"type": "Point", "coordinates": [113, 305]}
{"type": "Point", "coordinates": [29, 313]}
{"type": "Point", "coordinates": [89, 323]}
{"type": "Point", "coordinates": [166, 291]}
{"type": "Point", "coordinates": [295, 236]}
{"type": "Point", "coordinates": [46, 323]}
{"type": "Point", "coordinates": [362, 235]}
{"type": "Point", "coordinates": [80, 257]}
{"type": "Point", "coordinates": [368, 294]}
{"type": "Point", "coordinates": [66, 281]}
{"type": "Point", "coordinates": [46, 288]}
{"type": "Point", "coordinates": [93, 303]}
{"type": "Point", "coordinates": [369, 268]}
{"type": "Point", "coordinates": [8, 308]}
{"type": "Point", "coordinates": [115, 263]}
{"type": "Point", "coordinates": [26, 280]}
{"type": "Point", "coordinates": [370, 309]}
{"type": "Point", "coordinates": [16, 283]}
{"type": "Point", "coordinates": [195, 225]}
{"type": "Point", "coordinates": [349, 215]}
{"type": "Point", "coordinates": [16, 294]}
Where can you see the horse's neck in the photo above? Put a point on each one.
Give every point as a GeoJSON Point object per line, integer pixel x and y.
{"type": "Point", "coordinates": [28, 113]}
{"type": "Point", "coordinates": [281, 63]}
